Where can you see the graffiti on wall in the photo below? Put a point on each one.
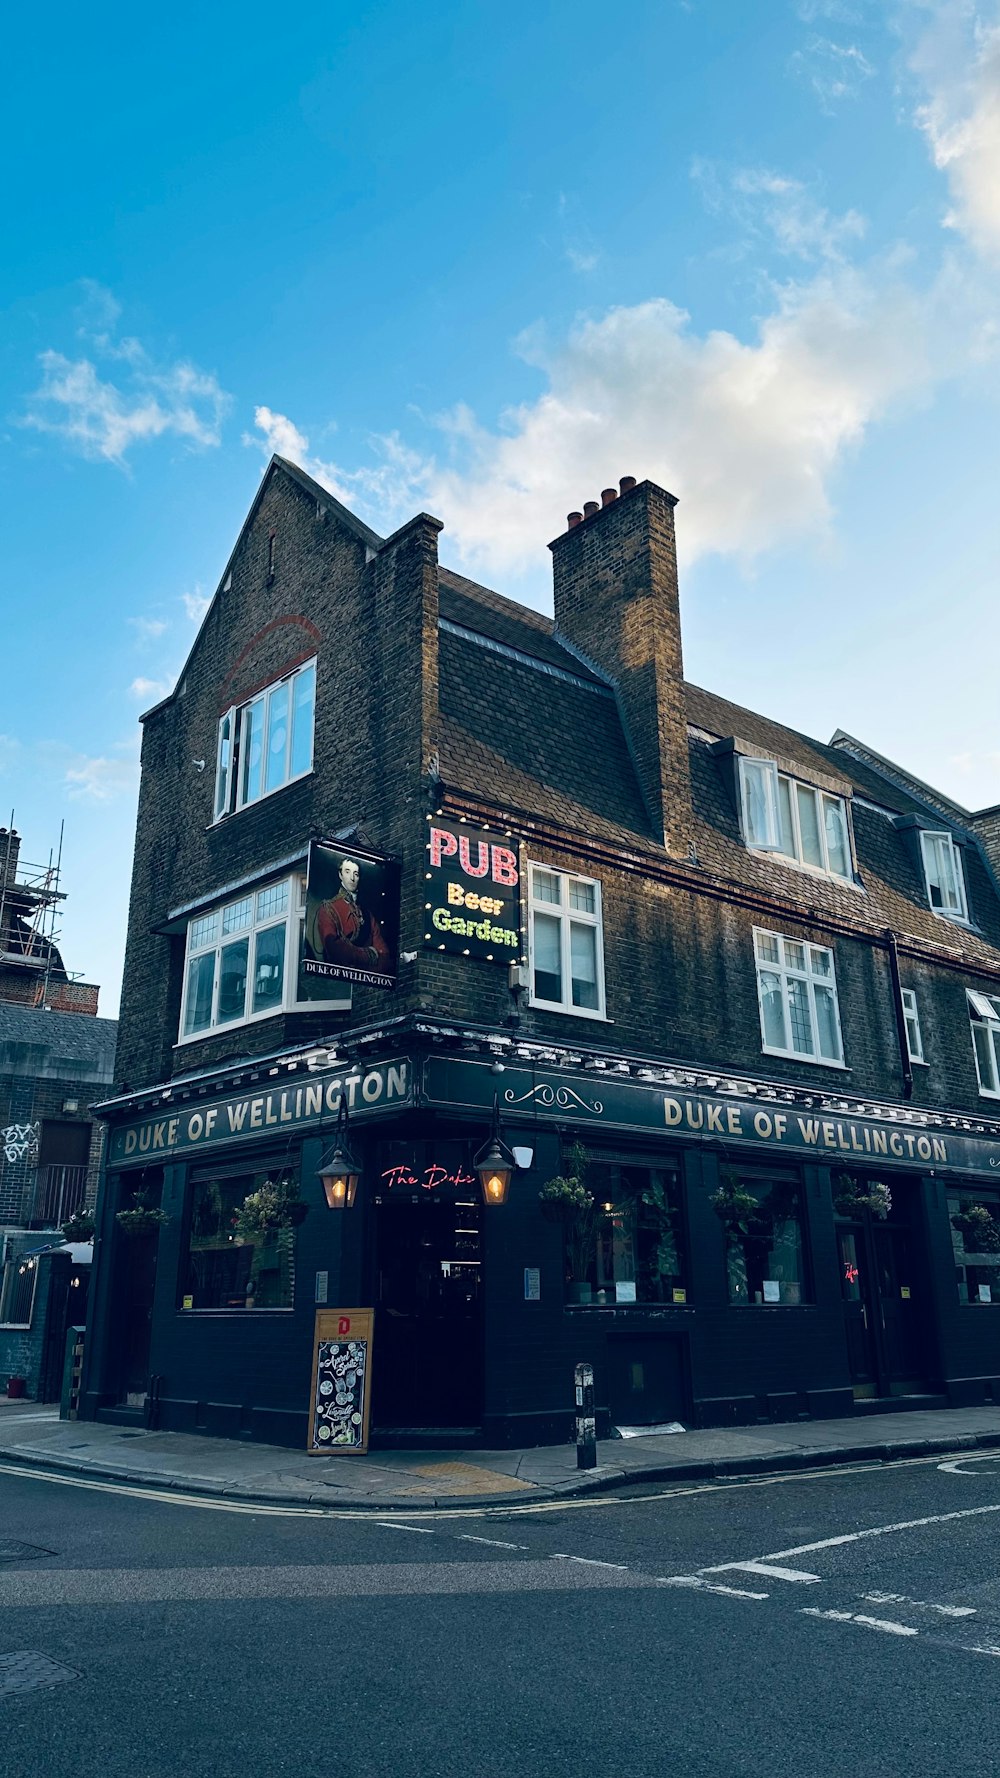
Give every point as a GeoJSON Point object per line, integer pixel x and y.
{"type": "Point", "coordinates": [19, 1142]}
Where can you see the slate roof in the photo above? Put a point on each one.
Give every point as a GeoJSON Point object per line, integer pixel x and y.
{"type": "Point", "coordinates": [527, 726]}
{"type": "Point", "coordinates": [61, 1045]}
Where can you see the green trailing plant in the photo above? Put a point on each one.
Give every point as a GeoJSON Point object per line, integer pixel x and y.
{"type": "Point", "coordinates": [655, 1198]}
{"type": "Point", "coordinates": [79, 1227]}
{"type": "Point", "coordinates": [275, 1205]}
{"type": "Point", "coordinates": [141, 1218]}
{"type": "Point", "coordinates": [853, 1196]}
{"type": "Point", "coordinates": [737, 1208]}
{"type": "Point", "coordinates": [977, 1226]}
{"type": "Point", "coordinates": [567, 1199]}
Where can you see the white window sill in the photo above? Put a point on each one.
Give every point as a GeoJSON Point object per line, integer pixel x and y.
{"type": "Point", "coordinates": [265, 796]}
{"type": "Point", "coordinates": [255, 1018]}
{"type": "Point", "coordinates": [919, 1062]}
{"type": "Point", "coordinates": [573, 1012]}
{"type": "Point", "coordinates": [952, 919]}
{"type": "Point", "coordinates": [809, 870]}
{"type": "Point", "coordinates": [793, 1056]}
{"type": "Point", "coordinates": [988, 1093]}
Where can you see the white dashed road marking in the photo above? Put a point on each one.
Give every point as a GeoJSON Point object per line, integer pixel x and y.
{"type": "Point", "coordinates": [589, 1561]}
{"type": "Point", "coordinates": [919, 1604]}
{"type": "Point", "coordinates": [706, 1586]}
{"type": "Point", "coordinates": [857, 1617]}
{"type": "Point", "coordinates": [390, 1525]}
{"type": "Point", "coordinates": [493, 1543]}
{"type": "Point", "coordinates": [769, 1572]}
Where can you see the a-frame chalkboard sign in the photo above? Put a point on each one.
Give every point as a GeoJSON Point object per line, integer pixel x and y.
{"type": "Point", "coordinates": [340, 1397]}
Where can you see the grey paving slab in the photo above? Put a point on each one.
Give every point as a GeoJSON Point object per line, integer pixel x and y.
{"type": "Point", "coordinates": [37, 1437]}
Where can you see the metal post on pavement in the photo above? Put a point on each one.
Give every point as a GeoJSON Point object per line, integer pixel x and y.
{"type": "Point", "coordinates": [586, 1425]}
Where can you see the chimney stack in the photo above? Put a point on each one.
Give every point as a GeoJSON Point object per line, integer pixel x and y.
{"type": "Point", "coordinates": [616, 600]}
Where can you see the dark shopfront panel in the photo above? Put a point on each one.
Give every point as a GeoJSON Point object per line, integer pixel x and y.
{"type": "Point", "coordinates": [475, 1329]}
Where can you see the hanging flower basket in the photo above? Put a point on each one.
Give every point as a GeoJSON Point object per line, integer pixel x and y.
{"type": "Point", "coordinates": [977, 1226]}
{"type": "Point", "coordinates": [853, 1196]}
{"type": "Point", "coordinates": [142, 1219]}
{"type": "Point", "coordinates": [735, 1207]}
{"type": "Point", "coordinates": [275, 1205]}
{"type": "Point", "coordinates": [78, 1228]}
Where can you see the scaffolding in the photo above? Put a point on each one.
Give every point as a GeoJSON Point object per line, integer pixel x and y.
{"type": "Point", "coordinates": [30, 897]}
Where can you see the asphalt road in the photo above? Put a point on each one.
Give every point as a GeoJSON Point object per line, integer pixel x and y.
{"type": "Point", "coordinates": [843, 1623]}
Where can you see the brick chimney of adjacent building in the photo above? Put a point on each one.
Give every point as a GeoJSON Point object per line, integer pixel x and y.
{"type": "Point", "coordinates": [616, 600]}
{"type": "Point", "coordinates": [987, 825]}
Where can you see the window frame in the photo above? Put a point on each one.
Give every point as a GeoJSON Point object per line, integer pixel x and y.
{"type": "Point", "coordinates": [786, 971]}
{"type": "Point", "coordinates": [14, 1265]}
{"type": "Point", "coordinates": [230, 798]}
{"type": "Point", "coordinates": [292, 919]}
{"type": "Point", "coordinates": [252, 1173]}
{"type": "Point", "coordinates": [567, 918]}
{"type": "Point", "coordinates": [976, 1001]}
{"type": "Point", "coordinates": [958, 917]}
{"type": "Point", "coordinates": [774, 777]}
{"type": "Point", "coordinates": [911, 1012]}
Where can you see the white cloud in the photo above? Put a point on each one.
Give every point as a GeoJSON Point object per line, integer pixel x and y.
{"type": "Point", "coordinates": [151, 690]}
{"type": "Point", "coordinates": [281, 437]}
{"type": "Point", "coordinates": [149, 629]}
{"type": "Point", "coordinates": [195, 605]}
{"type": "Point", "coordinates": [785, 209]}
{"type": "Point", "coordinates": [102, 777]}
{"type": "Point", "coordinates": [105, 419]}
{"type": "Point", "coordinates": [958, 63]}
{"type": "Point", "coordinates": [834, 71]}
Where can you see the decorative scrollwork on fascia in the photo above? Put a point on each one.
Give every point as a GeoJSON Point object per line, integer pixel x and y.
{"type": "Point", "coordinates": [563, 1098]}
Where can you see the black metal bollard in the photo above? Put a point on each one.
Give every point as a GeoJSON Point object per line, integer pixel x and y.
{"type": "Point", "coordinates": [586, 1425]}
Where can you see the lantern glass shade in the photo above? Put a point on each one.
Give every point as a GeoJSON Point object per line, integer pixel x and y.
{"type": "Point", "coordinates": [495, 1168]}
{"type": "Point", "coordinates": [340, 1188]}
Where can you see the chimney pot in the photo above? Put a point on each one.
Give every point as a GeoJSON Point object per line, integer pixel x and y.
{"type": "Point", "coordinates": [573, 518]}
{"type": "Point", "coordinates": [590, 507]}
{"type": "Point", "coordinates": [607, 495]}
{"type": "Point", "coordinates": [627, 483]}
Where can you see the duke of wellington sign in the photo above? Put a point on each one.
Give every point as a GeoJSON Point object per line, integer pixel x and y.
{"type": "Point", "coordinates": [384, 1086]}
{"type": "Point", "coordinates": [599, 1101]}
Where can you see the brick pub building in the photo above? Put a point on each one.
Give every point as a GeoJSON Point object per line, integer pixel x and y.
{"type": "Point", "coordinates": [742, 986]}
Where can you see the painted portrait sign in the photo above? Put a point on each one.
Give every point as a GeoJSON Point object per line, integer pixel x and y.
{"type": "Point", "coordinates": [473, 900]}
{"type": "Point", "coordinates": [351, 927]}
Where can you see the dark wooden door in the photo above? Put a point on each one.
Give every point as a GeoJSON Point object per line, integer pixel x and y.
{"type": "Point", "coordinates": [900, 1308]}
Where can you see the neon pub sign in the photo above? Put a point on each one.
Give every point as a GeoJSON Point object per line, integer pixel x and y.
{"type": "Point", "coordinates": [473, 905]}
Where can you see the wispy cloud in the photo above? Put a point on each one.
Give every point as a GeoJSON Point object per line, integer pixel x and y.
{"type": "Point", "coordinates": [775, 209]}
{"type": "Point", "coordinates": [100, 778]}
{"type": "Point", "coordinates": [104, 416]}
{"type": "Point", "coordinates": [957, 62]}
{"type": "Point", "coordinates": [150, 691]}
{"type": "Point", "coordinates": [833, 71]}
{"type": "Point", "coordinates": [149, 629]}
{"type": "Point", "coordinates": [195, 605]}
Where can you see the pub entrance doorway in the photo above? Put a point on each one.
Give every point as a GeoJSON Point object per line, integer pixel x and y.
{"type": "Point", "coordinates": [428, 1353]}
{"type": "Point", "coordinates": [883, 1287]}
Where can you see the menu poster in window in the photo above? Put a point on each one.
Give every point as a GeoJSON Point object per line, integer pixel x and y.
{"type": "Point", "coordinates": [351, 928]}
{"type": "Point", "coordinates": [340, 1397]}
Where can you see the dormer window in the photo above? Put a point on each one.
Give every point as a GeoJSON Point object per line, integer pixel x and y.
{"type": "Point", "coordinates": [795, 820]}
{"type": "Point", "coordinates": [944, 876]}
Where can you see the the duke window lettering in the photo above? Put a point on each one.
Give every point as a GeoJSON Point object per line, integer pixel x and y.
{"type": "Point", "coordinates": [797, 992]}
{"type": "Point", "coordinates": [567, 953]}
{"type": "Point", "coordinates": [266, 742]}
{"type": "Point", "coordinates": [984, 1016]}
{"type": "Point", "coordinates": [944, 876]}
{"type": "Point", "coordinates": [796, 820]}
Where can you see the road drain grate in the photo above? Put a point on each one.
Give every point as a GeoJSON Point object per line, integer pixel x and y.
{"type": "Point", "coordinates": [29, 1671]}
{"type": "Point", "coordinates": [21, 1552]}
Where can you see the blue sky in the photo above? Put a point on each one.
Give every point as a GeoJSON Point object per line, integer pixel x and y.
{"type": "Point", "coordinates": [484, 262]}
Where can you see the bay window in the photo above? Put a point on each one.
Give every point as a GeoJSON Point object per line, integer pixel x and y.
{"type": "Point", "coordinates": [241, 960]}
